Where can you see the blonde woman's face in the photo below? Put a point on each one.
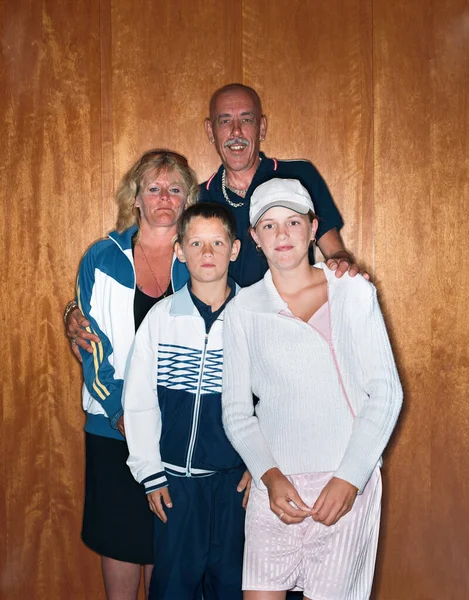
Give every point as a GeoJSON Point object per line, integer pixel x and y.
{"type": "Point", "coordinates": [161, 199]}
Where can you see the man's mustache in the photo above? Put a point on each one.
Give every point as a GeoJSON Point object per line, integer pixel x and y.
{"type": "Point", "coordinates": [236, 142]}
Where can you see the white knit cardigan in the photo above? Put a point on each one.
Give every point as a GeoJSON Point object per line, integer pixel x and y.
{"type": "Point", "coordinates": [323, 406]}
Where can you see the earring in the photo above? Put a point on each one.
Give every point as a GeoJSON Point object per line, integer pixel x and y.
{"type": "Point", "coordinates": [258, 248]}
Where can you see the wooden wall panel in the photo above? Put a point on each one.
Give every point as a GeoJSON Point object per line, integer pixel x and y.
{"type": "Point", "coordinates": [311, 63]}
{"type": "Point", "coordinates": [51, 177]}
{"type": "Point", "coordinates": [421, 189]}
{"type": "Point", "coordinates": [163, 76]}
{"type": "Point", "coordinates": [373, 92]}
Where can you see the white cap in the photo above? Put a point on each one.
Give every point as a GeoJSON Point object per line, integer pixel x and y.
{"type": "Point", "coordinates": [288, 193]}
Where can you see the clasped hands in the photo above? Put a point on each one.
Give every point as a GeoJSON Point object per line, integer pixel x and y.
{"type": "Point", "coordinates": [335, 500]}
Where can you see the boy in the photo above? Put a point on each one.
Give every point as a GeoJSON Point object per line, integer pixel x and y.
{"type": "Point", "coordinates": [172, 415]}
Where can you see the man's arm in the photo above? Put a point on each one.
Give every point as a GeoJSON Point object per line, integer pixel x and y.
{"type": "Point", "coordinates": [338, 258]}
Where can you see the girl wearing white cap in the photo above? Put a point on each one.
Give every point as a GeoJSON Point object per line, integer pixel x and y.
{"type": "Point", "coordinates": [314, 349]}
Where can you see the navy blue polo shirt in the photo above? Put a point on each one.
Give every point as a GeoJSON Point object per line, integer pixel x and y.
{"type": "Point", "coordinates": [205, 310]}
{"type": "Point", "coordinates": [251, 265]}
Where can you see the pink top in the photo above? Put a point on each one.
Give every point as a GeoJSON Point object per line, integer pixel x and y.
{"type": "Point", "coordinates": [321, 321]}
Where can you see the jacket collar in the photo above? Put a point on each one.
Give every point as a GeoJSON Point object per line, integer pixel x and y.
{"type": "Point", "coordinates": [179, 272]}
{"type": "Point", "coordinates": [181, 303]}
{"type": "Point", "coordinates": [124, 239]}
{"type": "Point", "coordinates": [266, 165]}
{"type": "Point", "coordinates": [264, 297]}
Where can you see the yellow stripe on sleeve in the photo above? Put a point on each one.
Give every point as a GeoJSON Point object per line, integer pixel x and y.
{"type": "Point", "coordinates": [99, 387]}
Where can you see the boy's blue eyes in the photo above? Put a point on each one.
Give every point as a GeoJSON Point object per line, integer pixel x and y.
{"type": "Point", "coordinates": [216, 243]}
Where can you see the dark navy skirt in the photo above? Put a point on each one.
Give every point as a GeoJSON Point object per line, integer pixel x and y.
{"type": "Point", "coordinates": [117, 521]}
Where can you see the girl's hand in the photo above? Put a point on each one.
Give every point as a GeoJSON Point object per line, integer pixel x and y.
{"type": "Point", "coordinates": [281, 494]}
{"type": "Point", "coordinates": [335, 500]}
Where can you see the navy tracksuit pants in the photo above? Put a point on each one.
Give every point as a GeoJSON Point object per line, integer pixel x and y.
{"type": "Point", "coordinates": [200, 549]}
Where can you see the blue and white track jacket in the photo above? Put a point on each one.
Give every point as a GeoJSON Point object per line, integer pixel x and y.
{"type": "Point", "coordinates": [172, 396]}
{"type": "Point", "coordinates": [105, 295]}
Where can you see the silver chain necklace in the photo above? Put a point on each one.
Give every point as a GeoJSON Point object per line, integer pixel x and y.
{"type": "Point", "coordinates": [225, 195]}
{"type": "Point", "coordinates": [224, 186]}
{"type": "Point", "coordinates": [164, 294]}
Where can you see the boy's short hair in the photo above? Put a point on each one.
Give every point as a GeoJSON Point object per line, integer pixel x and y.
{"type": "Point", "coordinates": [206, 210]}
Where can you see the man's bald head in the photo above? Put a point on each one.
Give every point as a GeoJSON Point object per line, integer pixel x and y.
{"type": "Point", "coordinates": [234, 87]}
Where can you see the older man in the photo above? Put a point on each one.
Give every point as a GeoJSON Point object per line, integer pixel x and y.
{"type": "Point", "coordinates": [237, 126]}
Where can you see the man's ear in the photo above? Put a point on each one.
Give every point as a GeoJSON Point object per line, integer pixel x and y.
{"type": "Point", "coordinates": [263, 128]}
{"type": "Point", "coordinates": [235, 248]}
{"type": "Point", "coordinates": [209, 130]}
{"type": "Point", "coordinates": [179, 252]}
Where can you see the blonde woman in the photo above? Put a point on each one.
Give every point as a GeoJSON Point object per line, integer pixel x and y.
{"type": "Point", "coordinates": [120, 279]}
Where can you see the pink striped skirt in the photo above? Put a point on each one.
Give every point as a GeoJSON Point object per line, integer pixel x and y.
{"type": "Point", "coordinates": [326, 563]}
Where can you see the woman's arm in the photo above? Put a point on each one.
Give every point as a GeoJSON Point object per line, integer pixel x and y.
{"type": "Point", "coordinates": [98, 372]}
{"type": "Point", "coordinates": [375, 422]}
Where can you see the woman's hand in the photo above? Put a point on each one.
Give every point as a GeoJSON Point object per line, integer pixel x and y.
{"type": "Point", "coordinates": [156, 500]}
{"type": "Point", "coordinates": [281, 494]}
{"type": "Point", "coordinates": [335, 500]}
{"type": "Point", "coordinates": [245, 485]}
{"type": "Point", "coordinates": [75, 329]}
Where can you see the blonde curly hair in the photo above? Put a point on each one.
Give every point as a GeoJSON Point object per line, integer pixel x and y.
{"type": "Point", "coordinates": [157, 160]}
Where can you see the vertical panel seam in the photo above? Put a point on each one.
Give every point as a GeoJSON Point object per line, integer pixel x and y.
{"type": "Point", "coordinates": [106, 128]}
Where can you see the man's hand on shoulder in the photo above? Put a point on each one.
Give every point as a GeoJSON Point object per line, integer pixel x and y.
{"type": "Point", "coordinates": [337, 257]}
{"type": "Point", "coordinates": [344, 264]}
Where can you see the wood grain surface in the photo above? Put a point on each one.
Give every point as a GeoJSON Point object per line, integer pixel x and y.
{"type": "Point", "coordinates": [421, 77]}
{"type": "Point", "coordinates": [374, 93]}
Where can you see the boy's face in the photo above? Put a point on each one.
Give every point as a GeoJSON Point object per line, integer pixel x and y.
{"type": "Point", "coordinates": [207, 250]}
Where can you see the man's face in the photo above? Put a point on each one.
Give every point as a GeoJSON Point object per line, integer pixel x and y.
{"type": "Point", "coordinates": [236, 128]}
